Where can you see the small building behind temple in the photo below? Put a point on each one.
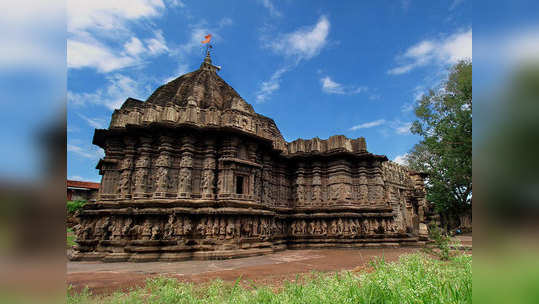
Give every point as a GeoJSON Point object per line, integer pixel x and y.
{"type": "Point", "coordinates": [82, 191]}
{"type": "Point", "coordinates": [194, 172]}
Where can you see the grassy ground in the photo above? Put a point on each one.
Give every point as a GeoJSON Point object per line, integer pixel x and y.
{"type": "Point", "coordinates": [415, 278]}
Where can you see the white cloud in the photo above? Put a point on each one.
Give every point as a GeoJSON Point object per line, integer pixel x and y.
{"type": "Point", "coordinates": [303, 43]}
{"type": "Point", "coordinates": [368, 125]}
{"type": "Point", "coordinates": [157, 44]}
{"type": "Point", "coordinates": [134, 46]}
{"type": "Point", "coordinates": [93, 54]}
{"type": "Point", "coordinates": [272, 10]}
{"type": "Point", "coordinates": [119, 88]}
{"type": "Point", "coordinates": [176, 3]}
{"type": "Point", "coordinates": [443, 51]}
{"type": "Point", "coordinates": [94, 153]}
{"type": "Point", "coordinates": [108, 15]}
{"type": "Point", "coordinates": [271, 85]}
{"type": "Point", "coordinates": [99, 34]}
{"type": "Point", "coordinates": [401, 159]}
{"type": "Point", "coordinates": [331, 87]}
{"type": "Point", "coordinates": [400, 128]}
{"type": "Point", "coordinates": [417, 94]}
{"type": "Point", "coordinates": [97, 123]}
{"type": "Point", "coordinates": [403, 128]}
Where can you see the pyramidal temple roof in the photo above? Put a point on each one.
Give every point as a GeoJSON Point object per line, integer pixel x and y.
{"type": "Point", "coordinates": [203, 88]}
{"type": "Point", "coordinates": [204, 100]}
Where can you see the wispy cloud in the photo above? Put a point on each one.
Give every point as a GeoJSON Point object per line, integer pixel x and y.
{"type": "Point", "coordinates": [443, 51]}
{"type": "Point", "coordinates": [119, 88]}
{"type": "Point", "coordinates": [97, 123]}
{"type": "Point", "coordinates": [368, 125]}
{"type": "Point", "coordinates": [271, 8]}
{"type": "Point", "coordinates": [93, 153]}
{"type": "Point", "coordinates": [301, 44]}
{"type": "Point", "coordinates": [271, 85]}
{"type": "Point", "coordinates": [455, 3]}
{"type": "Point", "coordinates": [399, 127]}
{"type": "Point", "coordinates": [417, 94]}
{"type": "Point", "coordinates": [80, 178]}
{"type": "Point", "coordinates": [331, 87]}
{"type": "Point", "coordinates": [402, 128]}
{"type": "Point", "coordinates": [157, 45]}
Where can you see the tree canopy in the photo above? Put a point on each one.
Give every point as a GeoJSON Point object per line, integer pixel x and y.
{"type": "Point", "coordinates": [444, 120]}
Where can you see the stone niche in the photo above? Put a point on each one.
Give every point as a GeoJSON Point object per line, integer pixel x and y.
{"type": "Point", "coordinates": [194, 173]}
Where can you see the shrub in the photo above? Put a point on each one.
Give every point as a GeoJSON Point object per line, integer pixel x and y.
{"type": "Point", "coordinates": [442, 242]}
{"type": "Point", "coordinates": [73, 206]}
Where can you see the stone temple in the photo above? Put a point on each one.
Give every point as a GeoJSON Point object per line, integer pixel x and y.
{"type": "Point", "coordinates": [194, 173]}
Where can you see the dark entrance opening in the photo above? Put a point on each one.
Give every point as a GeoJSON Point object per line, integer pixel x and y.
{"type": "Point", "coordinates": [239, 184]}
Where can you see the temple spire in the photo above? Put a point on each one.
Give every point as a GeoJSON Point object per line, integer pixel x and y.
{"type": "Point", "coordinates": [207, 63]}
{"type": "Point", "coordinates": [208, 57]}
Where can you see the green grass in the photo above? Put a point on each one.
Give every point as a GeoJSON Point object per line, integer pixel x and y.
{"type": "Point", "coordinates": [415, 278]}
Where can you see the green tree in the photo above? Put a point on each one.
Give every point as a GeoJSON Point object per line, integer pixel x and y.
{"type": "Point", "coordinates": [445, 152]}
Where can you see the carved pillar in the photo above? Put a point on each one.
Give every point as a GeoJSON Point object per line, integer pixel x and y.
{"type": "Point", "coordinates": [140, 181]}
{"type": "Point", "coordinates": [109, 169]}
{"type": "Point", "coordinates": [378, 184]}
{"type": "Point", "coordinates": [266, 181]}
{"type": "Point", "coordinates": [316, 197]}
{"type": "Point", "coordinates": [184, 184]}
{"type": "Point", "coordinates": [225, 181]}
{"type": "Point", "coordinates": [162, 165]}
{"type": "Point", "coordinates": [208, 171]}
{"type": "Point", "coordinates": [345, 182]}
{"type": "Point", "coordinates": [363, 187]}
{"type": "Point", "coordinates": [300, 185]}
{"type": "Point", "coordinates": [126, 168]}
{"type": "Point", "coordinates": [254, 176]}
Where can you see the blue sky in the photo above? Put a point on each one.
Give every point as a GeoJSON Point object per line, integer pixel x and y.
{"type": "Point", "coordinates": [318, 68]}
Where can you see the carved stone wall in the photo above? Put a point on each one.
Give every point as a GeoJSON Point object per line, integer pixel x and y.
{"type": "Point", "coordinates": [195, 173]}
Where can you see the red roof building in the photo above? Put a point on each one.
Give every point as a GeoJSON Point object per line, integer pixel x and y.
{"type": "Point", "coordinates": [80, 190]}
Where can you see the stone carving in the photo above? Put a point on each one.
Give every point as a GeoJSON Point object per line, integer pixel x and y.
{"type": "Point", "coordinates": [196, 133]}
{"type": "Point", "coordinates": [207, 181]}
{"type": "Point", "coordinates": [140, 180]}
{"type": "Point", "coordinates": [125, 182]}
{"type": "Point", "coordinates": [162, 179]}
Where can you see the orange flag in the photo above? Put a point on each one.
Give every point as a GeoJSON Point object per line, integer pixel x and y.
{"type": "Point", "coordinates": [208, 38]}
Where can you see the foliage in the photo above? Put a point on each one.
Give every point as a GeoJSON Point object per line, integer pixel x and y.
{"type": "Point", "coordinates": [445, 152]}
{"type": "Point", "coordinates": [442, 242]}
{"type": "Point", "coordinates": [414, 278]}
{"type": "Point", "coordinates": [70, 240]}
{"type": "Point", "coordinates": [73, 206]}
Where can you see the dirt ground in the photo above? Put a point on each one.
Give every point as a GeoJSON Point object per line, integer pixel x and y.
{"type": "Point", "coordinates": [271, 270]}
